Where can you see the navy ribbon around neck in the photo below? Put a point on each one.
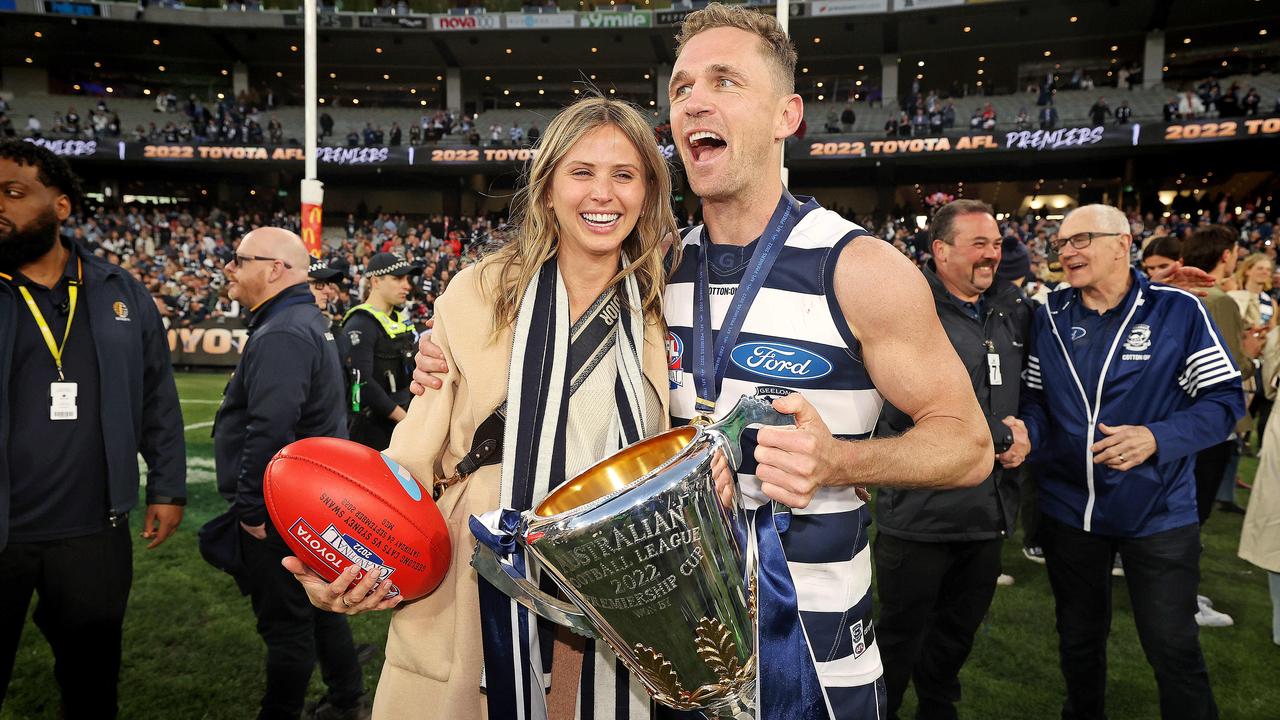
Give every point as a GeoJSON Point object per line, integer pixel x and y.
{"type": "Point", "coordinates": [711, 356]}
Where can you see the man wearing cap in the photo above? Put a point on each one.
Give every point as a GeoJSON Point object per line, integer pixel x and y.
{"type": "Point", "coordinates": [380, 354]}
{"type": "Point", "coordinates": [324, 284]}
{"type": "Point", "coordinates": [938, 551]}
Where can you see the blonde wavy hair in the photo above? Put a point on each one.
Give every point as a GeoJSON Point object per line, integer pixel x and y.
{"type": "Point", "coordinates": [1242, 270]}
{"type": "Point", "coordinates": [534, 234]}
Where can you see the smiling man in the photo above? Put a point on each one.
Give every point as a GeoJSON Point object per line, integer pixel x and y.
{"type": "Point", "coordinates": [776, 296]}
{"type": "Point", "coordinates": [763, 303]}
{"type": "Point", "coordinates": [1126, 381]}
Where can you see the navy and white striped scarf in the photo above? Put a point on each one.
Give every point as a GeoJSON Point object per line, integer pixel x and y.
{"type": "Point", "coordinates": [517, 644]}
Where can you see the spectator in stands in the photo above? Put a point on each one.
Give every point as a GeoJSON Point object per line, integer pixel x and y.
{"type": "Point", "coordinates": [891, 126]}
{"type": "Point", "coordinates": [1124, 113]}
{"type": "Point", "coordinates": [1099, 111]}
{"type": "Point", "coordinates": [326, 125]}
{"type": "Point", "coordinates": [1170, 110]}
{"type": "Point", "coordinates": [534, 134]}
{"type": "Point", "coordinates": [1159, 253]}
{"type": "Point", "coordinates": [1022, 122]}
{"type": "Point", "coordinates": [1228, 103]}
{"type": "Point", "coordinates": [1190, 106]}
{"type": "Point", "coordinates": [1048, 117]}
{"type": "Point", "coordinates": [904, 125]}
{"type": "Point", "coordinates": [935, 120]}
{"type": "Point", "coordinates": [415, 134]}
{"type": "Point", "coordinates": [949, 115]}
{"type": "Point", "coordinates": [975, 120]}
{"type": "Point", "coordinates": [394, 140]}
{"type": "Point", "coordinates": [847, 118]}
{"type": "Point", "coordinates": [517, 135]}
{"type": "Point", "coordinates": [34, 128]}
{"type": "Point", "coordinates": [919, 123]}
{"type": "Point", "coordinates": [1251, 102]}
{"type": "Point", "coordinates": [833, 120]}
{"type": "Point", "coordinates": [988, 117]}
{"type": "Point", "coordinates": [495, 134]}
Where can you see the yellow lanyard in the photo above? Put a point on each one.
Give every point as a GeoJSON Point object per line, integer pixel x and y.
{"type": "Point", "coordinates": [54, 349]}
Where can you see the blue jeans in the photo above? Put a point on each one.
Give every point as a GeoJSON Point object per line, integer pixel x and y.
{"type": "Point", "coordinates": [1162, 572]}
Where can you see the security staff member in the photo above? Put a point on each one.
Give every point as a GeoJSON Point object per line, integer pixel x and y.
{"type": "Point", "coordinates": [938, 551]}
{"type": "Point", "coordinates": [287, 386]}
{"type": "Point", "coordinates": [381, 347]}
{"type": "Point", "coordinates": [87, 385]}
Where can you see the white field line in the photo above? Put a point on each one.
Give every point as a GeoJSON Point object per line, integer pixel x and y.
{"type": "Point", "coordinates": [200, 402]}
{"type": "Point", "coordinates": [197, 426]}
{"type": "Point", "coordinates": [199, 470]}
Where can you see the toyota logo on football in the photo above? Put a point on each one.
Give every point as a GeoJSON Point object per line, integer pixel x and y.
{"type": "Point", "coordinates": [779, 361]}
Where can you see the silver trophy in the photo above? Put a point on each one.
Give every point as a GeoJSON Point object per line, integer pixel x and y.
{"type": "Point", "coordinates": [654, 564]}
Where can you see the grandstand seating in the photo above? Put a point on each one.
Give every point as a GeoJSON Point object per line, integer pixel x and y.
{"type": "Point", "coordinates": [1073, 109]}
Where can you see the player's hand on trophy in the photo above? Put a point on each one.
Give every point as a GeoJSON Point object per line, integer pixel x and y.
{"type": "Point", "coordinates": [428, 363]}
{"type": "Point", "coordinates": [1021, 447]}
{"type": "Point", "coordinates": [793, 462]}
{"type": "Point", "coordinates": [338, 596]}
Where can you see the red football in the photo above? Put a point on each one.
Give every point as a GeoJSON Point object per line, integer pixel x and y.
{"type": "Point", "coordinates": [336, 502]}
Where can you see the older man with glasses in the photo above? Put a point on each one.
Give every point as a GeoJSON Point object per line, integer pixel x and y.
{"type": "Point", "coordinates": [1126, 381]}
{"type": "Point", "coordinates": [288, 386]}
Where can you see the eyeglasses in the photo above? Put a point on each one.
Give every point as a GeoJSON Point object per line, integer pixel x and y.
{"type": "Point", "coordinates": [241, 260]}
{"type": "Point", "coordinates": [1079, 241]}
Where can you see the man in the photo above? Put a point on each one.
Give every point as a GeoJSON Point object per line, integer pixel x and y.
{"type": "Point", "coordinates": [287, 386]}
{"type": "Point", "coordinates": [1048, 117]}
{"type": "Point", "coordinates": [87, 387]}
{"type": "Point", "coordinates": [938, 552]}
{"type": "Point", "coordinates": [1212, 248]}
{"type": "Point", "coordinates": [870, 334]}
{"type": "Point", "coordinates": [380, 351]}
{"type": "Point", "coordinates": [1126, 381]}
{"type": "Point", "coordinates": [1099, 111]}
{"type": "Point", "coordinates": [324, 281]}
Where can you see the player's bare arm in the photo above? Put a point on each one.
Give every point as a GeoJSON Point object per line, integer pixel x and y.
{"type": "Point", "coordinates": [889, 308]}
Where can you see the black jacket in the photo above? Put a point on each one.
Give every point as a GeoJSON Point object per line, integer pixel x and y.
{"type": "Point", "coordinates": [288, 386]}
{"type": "Point", "coordinates": [988, 510]}
{"type": "Point", "coordinates": [139, 401]}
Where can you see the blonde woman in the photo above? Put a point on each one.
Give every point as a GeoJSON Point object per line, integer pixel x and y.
{"type": "Point", "coordinates": [1253, 283]}
{"type": "Point", "coordinates": [585, 254]}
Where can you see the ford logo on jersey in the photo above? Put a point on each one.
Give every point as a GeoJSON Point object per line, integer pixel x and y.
{"type": "Point", "coordinates": [779, 361]}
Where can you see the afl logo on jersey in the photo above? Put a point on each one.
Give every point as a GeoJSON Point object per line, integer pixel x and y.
{"type": "Point", "coordinates": [779, 361]}
{"type": "Point", "coordinates": [121, 310]}
{"type": "Point", "coordinates": [675, 362]}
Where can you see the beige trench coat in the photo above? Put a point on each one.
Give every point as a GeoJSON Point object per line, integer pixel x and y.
{"type": "Point", "coordinates": [434, 655]}
{"type": "Point", "coordinates": [1260, 536]}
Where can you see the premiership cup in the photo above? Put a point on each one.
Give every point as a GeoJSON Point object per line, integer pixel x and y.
{"type": "Point", "coordinates": [654, 564]}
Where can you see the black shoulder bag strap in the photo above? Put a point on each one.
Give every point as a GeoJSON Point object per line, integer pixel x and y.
{"type": "Point", "coordinates": [589, 339]}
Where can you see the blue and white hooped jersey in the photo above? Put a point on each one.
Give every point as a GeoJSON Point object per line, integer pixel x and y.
{"type": "Point", "coordinates": [1266, 307]}
{"type": "Point", "coordinates": [795, 338]}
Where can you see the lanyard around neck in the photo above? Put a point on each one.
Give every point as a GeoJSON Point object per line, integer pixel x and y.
{"type": "Point", "coordinates": [55, 349]}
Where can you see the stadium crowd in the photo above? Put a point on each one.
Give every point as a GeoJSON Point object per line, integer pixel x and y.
{"type": "Point", "coordinates": [178, 251]}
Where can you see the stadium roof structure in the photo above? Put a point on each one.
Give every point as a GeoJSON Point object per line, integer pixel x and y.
{"type": "Point", "coordinates": [945, 43]}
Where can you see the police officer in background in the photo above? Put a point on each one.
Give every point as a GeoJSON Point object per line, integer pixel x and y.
{"type": "Point", "coordinates": [87, 385]}
{"type": "Point", "coordinates": [380, 354]}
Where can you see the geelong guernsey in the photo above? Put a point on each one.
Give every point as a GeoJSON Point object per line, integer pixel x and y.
{"type": "Point", "coordinates": [795, 338]}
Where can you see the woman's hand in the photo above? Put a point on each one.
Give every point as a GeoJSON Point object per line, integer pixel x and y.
{"type": "Point", "coordinates": [338, 596]}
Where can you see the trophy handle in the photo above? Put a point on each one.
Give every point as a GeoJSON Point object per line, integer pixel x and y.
{"type": "Point", "coordinates": [749, 411]}
{"type": "Point", "coordinates": [527, 594]}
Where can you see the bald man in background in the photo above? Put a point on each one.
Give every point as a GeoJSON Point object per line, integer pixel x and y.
{"type": "Point", "coordinates": [288, 386]}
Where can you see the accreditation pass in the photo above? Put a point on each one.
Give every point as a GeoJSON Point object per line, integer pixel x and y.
{"type": "Point", "coordinates": [62, 401]}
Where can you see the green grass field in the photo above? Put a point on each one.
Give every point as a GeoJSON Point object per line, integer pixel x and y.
{"type": "Point", "coordinates": [191, 650]}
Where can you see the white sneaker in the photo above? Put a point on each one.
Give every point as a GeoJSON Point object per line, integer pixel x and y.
{"type": "Point", "coordinates": [1208, 617]}
{"type": "Point", "coordinates": [1005, 580]}
{"type": "Point", "coordinates": [1117, 569]}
